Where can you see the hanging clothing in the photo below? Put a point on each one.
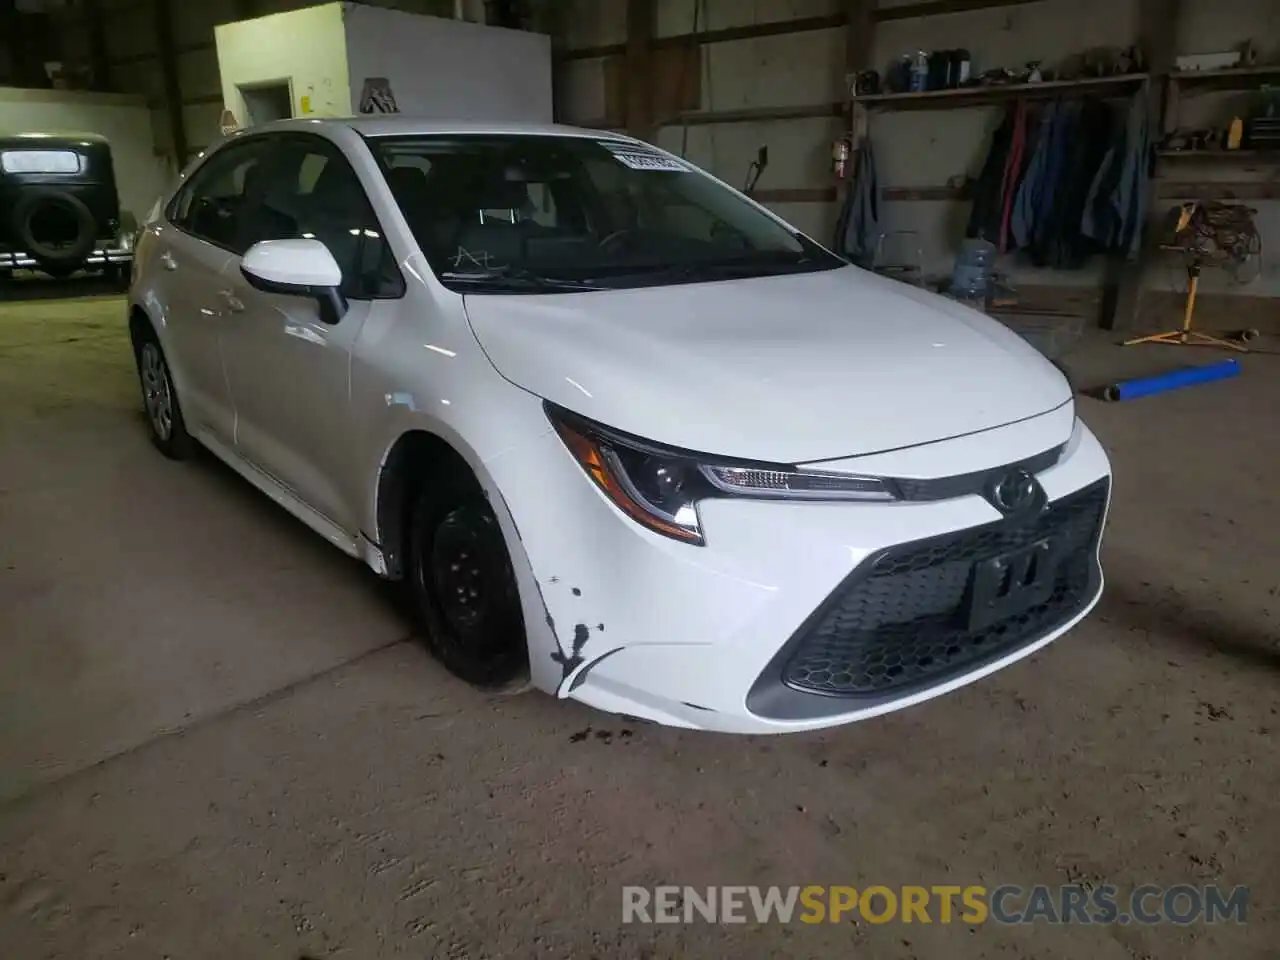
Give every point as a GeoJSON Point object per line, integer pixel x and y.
{"type": "Point", "coordinates": [1058, 241]}
{"type": "Point", "coordinates": [1014, 169]}
{"type": "Point", "coordinates": [1116, 206]}
{"type": "Point", "coordinates": [987, 214]}
{"type": "Point", "coordinates": [1035, 181]}
{"type": "Point", "coordinates": [858, 229]}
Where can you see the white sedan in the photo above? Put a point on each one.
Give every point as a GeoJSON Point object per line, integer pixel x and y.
{"type": "Point", "coordinates": [623, 434]}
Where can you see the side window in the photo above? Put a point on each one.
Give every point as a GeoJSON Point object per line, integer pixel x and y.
{"type": "Point", "coordinates": [312, 192]}
{"type": "Point", "coordinates": [215, 204]}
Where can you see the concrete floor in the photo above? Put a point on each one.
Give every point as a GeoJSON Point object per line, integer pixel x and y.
{"type": "Point", "coordinates": [218, 740]}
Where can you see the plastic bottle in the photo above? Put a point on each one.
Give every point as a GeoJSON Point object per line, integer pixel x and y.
{"type": "Point", "coordinates": [920, 73]}
{"type": "Point", "coordinates": [971, 275]}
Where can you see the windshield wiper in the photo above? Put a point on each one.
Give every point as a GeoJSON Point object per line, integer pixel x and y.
{"type": "Point", "coordinates": [513, 278]}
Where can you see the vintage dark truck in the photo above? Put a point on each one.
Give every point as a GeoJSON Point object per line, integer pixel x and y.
{"type": "Point", "coordinates": [59, 210]}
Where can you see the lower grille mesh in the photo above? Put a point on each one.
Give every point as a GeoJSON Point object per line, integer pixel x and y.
{"type": "Point", "coordinates": [902, 621]}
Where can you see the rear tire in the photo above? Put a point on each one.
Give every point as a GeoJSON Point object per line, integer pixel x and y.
{"type": "Point", "coordinates": [160, 400]}
{"type": "Point", "coordinates": [462, 586]}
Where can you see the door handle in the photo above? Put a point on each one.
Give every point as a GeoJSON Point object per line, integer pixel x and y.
{"type": "Point", "coordinates": [234, 303]}
{"type": "Point", "coordinates": [166, 258]}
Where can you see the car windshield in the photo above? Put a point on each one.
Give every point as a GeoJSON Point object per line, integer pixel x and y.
{"type": "Point", "coordinates": [536, 213]}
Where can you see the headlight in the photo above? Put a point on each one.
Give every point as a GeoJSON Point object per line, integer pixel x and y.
{"type": "Point", "coordinates": [660, 487]}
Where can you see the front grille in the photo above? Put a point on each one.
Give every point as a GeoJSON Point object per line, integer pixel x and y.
{"type": "Point", "coordinates": [968, 484]}
{"type": "Point", "coordinates": [902, 620]}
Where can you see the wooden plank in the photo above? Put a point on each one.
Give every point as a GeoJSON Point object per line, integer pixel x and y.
{"type": "Point", "coordinates": [759, 114]}
{"type": "Point", "coordinates": [592, 53]}
{"type": "Point", "coordinates": [773, 28]}
{"type": "Point", "coordinates": [937, 8]}
{"type": "Point", "coordinates": [1223, 156]}
{"type": "Point", "coordinates": [752, 31]}
{"type": "Point", "coordinates": [1222, 312]}
{"type": "Point", "coordinates": [638, 68]}
{"type": "Point", "coordinates": [795, 195]}
{"type": "Point", "coordinates": [1218, 190]}
{"type": "Point", "coordinates": [11, 33]}
{"type": "Point", "coordinates": [998, 93]}
{"type": "Point", "coordinates": [859, 38]}
{"type": "Point", "coordinates": [1157, 35]}
{"type": "Point", "coordinates": [99, 64]}
{"type": "Point", "coordinates": [939, 193]}
{"type": "Point", "coordinates": [1229, 78]}
{"type": "Point", "coordinates": [163, 26]}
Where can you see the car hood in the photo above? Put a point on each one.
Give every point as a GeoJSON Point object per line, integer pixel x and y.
{"type": "Point", "coordinates": [786, 369]}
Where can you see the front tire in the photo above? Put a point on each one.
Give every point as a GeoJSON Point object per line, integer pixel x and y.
{"type": "Point", "coordinates": [463, 588]}
{"type": "Point", "coordinates": [160, 401]}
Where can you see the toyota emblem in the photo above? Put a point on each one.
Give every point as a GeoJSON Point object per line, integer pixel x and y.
{"type": "Point", "coordinates": [1014, 491]}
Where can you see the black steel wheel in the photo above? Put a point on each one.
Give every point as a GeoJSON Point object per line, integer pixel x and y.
{"type": "Point", "coordinates": [463, 587]}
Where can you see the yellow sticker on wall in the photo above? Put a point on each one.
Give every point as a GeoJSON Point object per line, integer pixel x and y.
{"type": "Point", "coordinates": [306, 104]}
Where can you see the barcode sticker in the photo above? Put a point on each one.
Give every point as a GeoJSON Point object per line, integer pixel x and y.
{"type": "Point", "coordinates": [640, 159]}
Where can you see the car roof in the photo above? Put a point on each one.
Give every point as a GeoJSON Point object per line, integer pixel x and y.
{"type": "Point", "coordinates": [54, 138]}
{"type": "Point", "coordinates": [399, 125]}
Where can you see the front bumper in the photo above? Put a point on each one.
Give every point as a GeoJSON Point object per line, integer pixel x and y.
{"type": "Point", "coordinates": [709, 637]}
{"type": "Point", "coordinates": [110, 255]}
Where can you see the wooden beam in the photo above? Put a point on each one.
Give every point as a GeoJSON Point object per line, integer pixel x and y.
{"type": "Point", "coordinates": [99, 62]}
{"type": "Point", "coordinates": [1157, 33]}
{"type": "Point", "coordinates": [638, 67]}
{"type": "Point", "coordinates": [773, 28]}
{"type": "Point", "coordinates": [169, 74]}
{"type": "Point", "coordinates": [1219, 190]}
{"type": "Point", "coordinates": [937, 8]}
{"type": "Point", "coordinates": [795, 195]}
{"type": "Point", "coordinates": [694, 118]}
{"type": "Point", "coordinates": [752, 31]}
{"type": "Point", "coordinates": [859, 35]}
{"type": "Point", "coordinates": [11, 32]}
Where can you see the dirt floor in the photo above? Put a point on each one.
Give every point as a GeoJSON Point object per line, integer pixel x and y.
{"type": "Point", "coordinates": [217, 738]}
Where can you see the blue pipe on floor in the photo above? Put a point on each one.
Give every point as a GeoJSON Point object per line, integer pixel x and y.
{"type": "Point", "coordinates": [1145, 386]}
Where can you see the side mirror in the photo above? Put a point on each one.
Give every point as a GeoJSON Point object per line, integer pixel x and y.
{"type": "Point", "coordinates": [297, 268]}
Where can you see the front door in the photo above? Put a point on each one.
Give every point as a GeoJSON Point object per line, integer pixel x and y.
{"type": "Point", "coordinates": [290, 370]}
{"type": "Point", "coordinates": [196, 244]}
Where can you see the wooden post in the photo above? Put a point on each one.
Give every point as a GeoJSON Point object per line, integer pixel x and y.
{"type": "Point", "coordinates": [172, 85]}
{"type": "Point", "coordinates": [11, 32]}
{"type": "Point", "coordinates": [1158, 36]}
{"type": "Point", "coordinates": [99, 64]}
{"type": "Point", "coordinates": [638, 70]}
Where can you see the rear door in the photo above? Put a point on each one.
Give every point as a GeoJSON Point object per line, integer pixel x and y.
{"type": "Point", "coordinates": [289, 370]}
{"type": "Point", "coordinates": [203, 234]}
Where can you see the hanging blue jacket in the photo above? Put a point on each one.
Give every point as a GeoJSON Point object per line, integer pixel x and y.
{"type": "Point", "coordinates": [1117, 205]}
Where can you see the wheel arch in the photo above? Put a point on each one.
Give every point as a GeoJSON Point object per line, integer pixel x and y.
{"type": "Point", "coordinates": [139, 325]}
{"type": "Point", "coordinates": [415, 456]}
{"type": "Point", "coordinates": [411, 458]}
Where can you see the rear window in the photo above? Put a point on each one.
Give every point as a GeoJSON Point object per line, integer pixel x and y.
{"type": "Point", "coordinates": [41, 161]}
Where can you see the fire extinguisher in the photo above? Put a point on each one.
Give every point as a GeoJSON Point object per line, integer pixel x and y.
{"type": "Point", "coordinates": [841, 150]}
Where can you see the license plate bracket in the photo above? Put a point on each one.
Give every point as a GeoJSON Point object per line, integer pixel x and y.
{"type": "Point", "coordinates": [1007, 585]}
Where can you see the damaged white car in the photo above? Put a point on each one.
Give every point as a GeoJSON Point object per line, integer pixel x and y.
{"type": "Point", "coordinates": [623, 434]}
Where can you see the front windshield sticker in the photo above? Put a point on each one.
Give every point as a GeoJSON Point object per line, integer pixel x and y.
{"type": "Point", "coordinates": [637, 158]}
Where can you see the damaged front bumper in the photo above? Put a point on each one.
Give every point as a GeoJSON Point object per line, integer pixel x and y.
{"type": "Point", "coordinates": [640, 625]}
